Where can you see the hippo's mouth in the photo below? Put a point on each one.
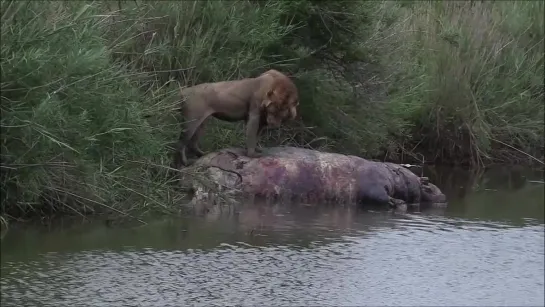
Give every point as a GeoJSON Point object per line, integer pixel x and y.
{"type": "Point", "coordinates": [432, 195]}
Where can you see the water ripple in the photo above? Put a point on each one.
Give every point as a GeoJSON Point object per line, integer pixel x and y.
{"type": "Point", "coordinates": [416, 260]}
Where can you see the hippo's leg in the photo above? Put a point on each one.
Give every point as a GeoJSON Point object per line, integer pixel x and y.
{"type": "Point", "coordinates": [374, 194]}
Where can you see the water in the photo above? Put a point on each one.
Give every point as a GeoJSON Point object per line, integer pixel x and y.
{"type": "Point", "coordinates": [485, 249]}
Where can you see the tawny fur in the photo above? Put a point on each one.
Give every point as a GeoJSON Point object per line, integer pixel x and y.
{"type": "Point", "coordinates": [267, 100]}
{"type": "Point", "coordinates": [292, 101]}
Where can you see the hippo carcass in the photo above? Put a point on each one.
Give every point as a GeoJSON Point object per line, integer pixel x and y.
{"type": "Point", "coordinates": [315, 176]}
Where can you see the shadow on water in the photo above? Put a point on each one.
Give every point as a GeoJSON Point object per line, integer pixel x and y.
{"type": "Point", "coordinates": [486, 248]}
{"type": "Point", "coordinates": [508, 194]}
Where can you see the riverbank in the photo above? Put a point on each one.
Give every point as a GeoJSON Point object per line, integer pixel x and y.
{"type": "Point", "coordinates": [89, 89]}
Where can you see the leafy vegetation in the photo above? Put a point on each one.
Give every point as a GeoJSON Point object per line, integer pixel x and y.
{"type": "Point", "coordinates": [89, 89]}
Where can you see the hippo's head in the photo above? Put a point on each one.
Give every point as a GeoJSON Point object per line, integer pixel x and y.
{"type": "Point", "coordinates": [431, 194]}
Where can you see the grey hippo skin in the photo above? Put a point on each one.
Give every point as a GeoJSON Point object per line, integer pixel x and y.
{"type": "Point", "coordinates": [314, 176]}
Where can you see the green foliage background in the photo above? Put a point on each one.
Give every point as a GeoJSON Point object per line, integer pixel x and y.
{"type": "Point", "coordinates": [89, 89]}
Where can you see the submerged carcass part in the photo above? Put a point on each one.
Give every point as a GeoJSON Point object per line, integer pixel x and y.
{"type": "Point", "coordinates": [317, 177]}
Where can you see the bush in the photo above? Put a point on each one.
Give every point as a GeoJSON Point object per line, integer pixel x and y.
{"type": "Point", "coordinates": [90, 89]}
{"type": "Point", "coordinates": [74, 137]}
{"type": "Point", "coordinates": [467, 77]}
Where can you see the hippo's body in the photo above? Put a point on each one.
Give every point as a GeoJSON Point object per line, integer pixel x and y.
{"type": "Point", "coordinates": [315, 176]}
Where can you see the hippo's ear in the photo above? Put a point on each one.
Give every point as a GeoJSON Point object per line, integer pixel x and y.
{"type": "Point", "coordinates": [427, 189]}
{"type": "Point", "coordinates": [424, 181]}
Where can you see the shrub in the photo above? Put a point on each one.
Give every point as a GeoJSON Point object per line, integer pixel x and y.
{"type": "Point", "coordinates": [90, 89]}
{"type": "Point", "coordinates": [468, 77]}
{"type": "Point", "coordinates": [74, 137]}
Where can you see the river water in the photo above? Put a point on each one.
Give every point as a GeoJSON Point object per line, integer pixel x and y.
{"type": "Point", "coordinates": [485, 249]}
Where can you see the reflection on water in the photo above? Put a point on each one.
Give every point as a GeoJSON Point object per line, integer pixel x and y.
{"type": "Point", "coordinates": [486, 248]}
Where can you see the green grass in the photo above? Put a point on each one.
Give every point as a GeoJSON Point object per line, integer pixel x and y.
{"type": "Point", "coordinates": [74, 135]}
{"type": "Point", "coordinates": [89, 89]}
{"type": "Point", "coordinates": [467, 78]}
